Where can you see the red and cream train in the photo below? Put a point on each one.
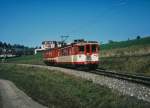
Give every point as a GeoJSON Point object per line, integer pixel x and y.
{"type": "Point", "coordinates": [80, 53]}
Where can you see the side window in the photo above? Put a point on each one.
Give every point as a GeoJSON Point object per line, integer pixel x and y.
{"type": "Point", "coordinates": [87, 48]}
{"type": "Point", "coordinates": [93, 48]}
{"type": "Point", "coordinates": [81, 49]}
{"type": "Point", "coordinates": [61, 52]}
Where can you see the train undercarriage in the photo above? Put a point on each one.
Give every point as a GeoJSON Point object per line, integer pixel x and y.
{"type": "Point", "coordinates": [76, 66]}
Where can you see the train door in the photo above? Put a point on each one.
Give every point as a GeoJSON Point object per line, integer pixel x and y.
{"type": "Point", "coordinates": [94, 48]}
{"type": "Point", "coordinates": [74, 53]}
{"type": "Point", "coordinates": [88, 50]}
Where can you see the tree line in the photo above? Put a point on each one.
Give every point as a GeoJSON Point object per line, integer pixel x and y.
{"type": "Point", "coordinates": [15, 49]}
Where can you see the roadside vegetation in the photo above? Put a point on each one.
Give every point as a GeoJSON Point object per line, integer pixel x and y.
{"type": "Point", "coordinates": [58, 90]}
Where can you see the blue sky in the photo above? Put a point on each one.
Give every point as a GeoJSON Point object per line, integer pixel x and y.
{"type": "Point", "coordinates": [29, 22]}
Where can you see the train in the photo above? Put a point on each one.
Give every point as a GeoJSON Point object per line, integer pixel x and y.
{"type": "Point", "coordinates": [80, 53]}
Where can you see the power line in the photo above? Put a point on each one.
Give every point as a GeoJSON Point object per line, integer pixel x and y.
{"type": "Point", "coordinates": [64, 38]}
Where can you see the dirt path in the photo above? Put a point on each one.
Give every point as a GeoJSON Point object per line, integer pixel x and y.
{"type": "Point", "coordinates": [0, 101]}
{"type": "Point", "coordinates": [12, 97]}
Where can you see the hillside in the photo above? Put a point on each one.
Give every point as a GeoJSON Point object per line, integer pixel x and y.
{"type": "Point", "coordinates": [123, 44]}
{"type": "Point", "coordinates": [132, 56]}
{"type": "Point", "coordinates": [134, 47]}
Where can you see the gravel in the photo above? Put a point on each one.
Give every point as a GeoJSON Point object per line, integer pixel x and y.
{"type": "Point", "coordinates": [124, 87]}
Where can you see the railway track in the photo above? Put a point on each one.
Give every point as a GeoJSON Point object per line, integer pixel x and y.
{"type": "Point", "coordinates": [124, 76]}
{"type": "Point", "coordinates": [133, 78]}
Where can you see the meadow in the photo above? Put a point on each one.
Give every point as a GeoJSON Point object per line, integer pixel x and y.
{"type": "Point", "coordinates": [30, 59]}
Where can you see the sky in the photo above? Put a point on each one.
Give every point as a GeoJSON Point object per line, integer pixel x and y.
{"type": "Point", "coordinates": [29, 22]}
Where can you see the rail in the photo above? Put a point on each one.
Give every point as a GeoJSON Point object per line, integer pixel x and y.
{"type": "Point", "coordinates": [133, 78]}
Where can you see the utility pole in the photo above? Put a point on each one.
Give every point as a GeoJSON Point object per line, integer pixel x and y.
{"type": "Point", "coordinates": [4, 55]}
{"type": "Point", "coordinates": [64, 38]}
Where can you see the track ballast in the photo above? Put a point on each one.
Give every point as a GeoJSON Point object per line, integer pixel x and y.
{"type": "Point", "coordinates": [133, 78]}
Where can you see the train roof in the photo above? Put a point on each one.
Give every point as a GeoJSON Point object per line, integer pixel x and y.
{"type": "Point", "coordinates": [86, 42]}
{"type": "Point", "coordinates": [75, 44]}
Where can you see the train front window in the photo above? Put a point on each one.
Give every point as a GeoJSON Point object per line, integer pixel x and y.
{"type": "Point", "coordinates": [81, 49]}
{"type": "Point", "coordinates": [93, 48]}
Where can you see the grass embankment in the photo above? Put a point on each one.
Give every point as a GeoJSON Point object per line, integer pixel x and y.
{"type": "Point", "coordinates": [132, 56]}
{"type": "Point", "coordinates": [58, 90]}
{"type": "Point", "coordinates": [130, 64]}
{"type": "Point", "coordinates": [30, 59]}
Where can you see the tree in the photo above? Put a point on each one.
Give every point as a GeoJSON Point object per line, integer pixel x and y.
{"type": "Point", "coordinates": [5, 45]}
{"type": "Point", "coordinates": [9, 46]}
{"type": "Point", "coordinates": [16, 49]}
{"type": "Point", "coordinates": [110, 41]}
{"type": "Point", "coordinates": [138, 37]}
{"type": "Point", "coordinates": [1, 44]}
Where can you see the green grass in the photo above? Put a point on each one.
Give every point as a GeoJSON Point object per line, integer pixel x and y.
{"type": "Point", "coordinates": [30, 59]}
{"type": "Point", "coordinates": [128, 43]}
{"type": "Point", "coordinates": [130, 64]}
{"type": "Point", "coordinates": [58, 90]}
{"type": "Point", "coordinates": [132, 56]}
{"type": "Point", "coordinates": [128, 51]}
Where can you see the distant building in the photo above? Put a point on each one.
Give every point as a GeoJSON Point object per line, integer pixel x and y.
{"type": "Point", "coordinates": [48, 45]}
{"type": "Point", "coordinates": [38, 50]}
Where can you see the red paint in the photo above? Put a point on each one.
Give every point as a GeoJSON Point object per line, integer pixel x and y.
{"type": "Point", "coordinates": [70, 50]}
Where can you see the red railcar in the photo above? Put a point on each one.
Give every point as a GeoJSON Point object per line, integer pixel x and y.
{"type": "Point", "coordinates": [84, 53]}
